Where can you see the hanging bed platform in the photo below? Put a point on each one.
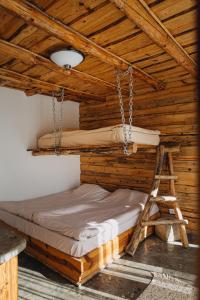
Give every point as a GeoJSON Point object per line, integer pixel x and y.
{"type": "Point", "coordinates": [77, 250]}
{"type": "Point", "coordinates": [81, 150]}
{"type": "Point", "coordinates": [102, 140]}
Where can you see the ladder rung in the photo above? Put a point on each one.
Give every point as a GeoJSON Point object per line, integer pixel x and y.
{"type": "Point", "coordinates": [167, 149]}
{"type": "Point", "coordinates": [164, 199]}
{"type": "Point", "coordinates": [166, 177]}
{"type": "Point", "coordinates": [164, 222]}
{"type": "Point", "coordinates": [172, 149]}
{"type": "Point", "coordinates": [163, 151]}
{"type": "Point", "coordinates": [168, 204]}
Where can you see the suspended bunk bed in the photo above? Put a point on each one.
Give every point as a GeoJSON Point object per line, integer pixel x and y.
{"type": "Point", "coordinates": [108, 223]}
{"type": "Point", "coordinates": [123, 137]}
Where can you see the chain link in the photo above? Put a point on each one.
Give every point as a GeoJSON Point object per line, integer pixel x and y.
{"type": "Point", "coordinates": [119, 75]}
{"type": "Point", "coordinates": [54, 120]}
{"type": "Point", "coordinates": [57, 122]}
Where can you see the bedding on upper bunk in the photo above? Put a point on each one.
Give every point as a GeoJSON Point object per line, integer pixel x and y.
{"type": "Point", "coordinates": [79, 220]}
{"type": "Point", "coordinates": [101, 137]}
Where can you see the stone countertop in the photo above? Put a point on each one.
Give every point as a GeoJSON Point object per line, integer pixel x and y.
{"type": "Point", "coordinates": [11, 244]}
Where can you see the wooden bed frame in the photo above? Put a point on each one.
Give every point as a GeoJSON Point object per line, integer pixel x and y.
{"type": "Point", "coordinates": [85, 149]}
{"type": "Point", "coordinates": [79, 270]}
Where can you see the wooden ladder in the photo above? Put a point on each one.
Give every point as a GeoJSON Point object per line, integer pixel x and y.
{"type": "Point", "coordinates": [163, 152]}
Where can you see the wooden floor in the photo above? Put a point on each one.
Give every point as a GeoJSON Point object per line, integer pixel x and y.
{"type": "Point", "coordinates": [79, 270]}
{"type": "Point", "coordinates": [124, 279]}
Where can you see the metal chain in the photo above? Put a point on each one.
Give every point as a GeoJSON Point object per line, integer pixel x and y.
{"type": "Point", "coordinates": [57, 123]}
{"type": "Point", "coordinates": [54, 120]}
{"type": "Point", "coordinates": [60, 125]}
{"type": "Point", "coordinates": [119, 75]}
{"type": "Point", "coordinates": [131, 94]}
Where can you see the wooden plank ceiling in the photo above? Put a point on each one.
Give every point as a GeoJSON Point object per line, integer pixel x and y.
{"type": "Point", "coordinates": [158, 38]}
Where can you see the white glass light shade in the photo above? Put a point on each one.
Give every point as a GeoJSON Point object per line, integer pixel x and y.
{"type": "Point", "coordinates": [68, 58]}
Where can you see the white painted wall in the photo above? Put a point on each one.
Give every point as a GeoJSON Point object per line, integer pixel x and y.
{"type": "Point", "coordinates": [22, 119]}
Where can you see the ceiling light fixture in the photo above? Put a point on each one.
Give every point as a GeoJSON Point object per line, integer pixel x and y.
{"type": "Point", "coordinates": [68, 58]}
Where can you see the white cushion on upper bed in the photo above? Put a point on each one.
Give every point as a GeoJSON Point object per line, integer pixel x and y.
{"type": "Point", "coordinates": [101, 136]}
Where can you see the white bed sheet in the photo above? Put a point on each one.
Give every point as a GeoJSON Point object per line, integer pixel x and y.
{"type": "Point", "coordinates": [76, 221]}
{"type": "Point", "coordinates": [101, 136]}
{"type": "Point", "coordinates": [61, 242]}
{"type": "Point", "coordinates": [94, 217]}
{"type": "Point", "coordinates": [28, 208]}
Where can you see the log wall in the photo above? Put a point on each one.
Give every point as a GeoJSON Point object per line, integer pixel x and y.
{"type": "Point", "coordinates": [173, 111]}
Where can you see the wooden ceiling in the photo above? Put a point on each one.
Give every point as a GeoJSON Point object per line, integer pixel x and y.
{"type": "Point", "coordinates": [157, 37]}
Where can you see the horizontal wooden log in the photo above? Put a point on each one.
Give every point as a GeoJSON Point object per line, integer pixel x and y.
{"type": "Point", "coordinates": [129, 182]}
{"type": "Point", "coordinates": [170, 119]}
{"type": "Point", "coordinates": [166, 177]}
{"type": "Point", "coordinates": [164, 222]}
{"type": "Point", "coordinates": [132, 162]}
{"type": "Point", "coordinates": [31, 82]}
{"type": "Point", "coordinates": [113, 111]}
{"type": "Point", "coordinates": [103, 149]}
{"type": "Point", "coordinates": [111, 185]}
{"type": "Point", "coordinates": [31, 58]}
{"type": "Point", "coordinates": [169, 96]}
{"type": "Point", "coordinates": [142, 175]}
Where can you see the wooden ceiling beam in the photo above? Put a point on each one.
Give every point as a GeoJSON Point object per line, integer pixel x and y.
{"type": "Point", "coordinates": [140, 13]}
{"type": "Point", "coordinates": [31, 58]}
{"type": "Point", "coordinates": [32, 92]}
{"type": "Point", "coordinates": [3, 82]}
{"type": "Point", "coordinates": [35, 16]}
{"type": "Point", "coordinates": [46, 87]}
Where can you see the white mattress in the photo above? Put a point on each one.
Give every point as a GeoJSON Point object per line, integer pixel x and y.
{"type": "Point", "coordinates": [102, 137]}
{"type": "Point", "coordinates": [95, 221]}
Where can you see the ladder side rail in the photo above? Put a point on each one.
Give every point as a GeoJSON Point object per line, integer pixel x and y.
{"type": "Point", "coordinates": [156, 183]}
{"type": "Point", "coordinates": [138, 233]}
{"type": "Point", "coordinates": [177, 210]}
{"type": "Point", "coordinates": [143, 223]}
{"type": "Point", "coordinates": [171, 172]}
{"type": "Point", "coordinates": [182, 229]}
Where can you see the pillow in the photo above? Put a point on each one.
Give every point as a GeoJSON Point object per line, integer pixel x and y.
{"type": "Point", "coordinates": [92, 192]}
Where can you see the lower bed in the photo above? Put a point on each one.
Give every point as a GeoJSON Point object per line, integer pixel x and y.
{"type": "Point", "coordinates": [81, 254]}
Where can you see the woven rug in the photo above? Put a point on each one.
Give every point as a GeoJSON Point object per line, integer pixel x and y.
{"type": "Point", "coordinates": [164, 287]}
